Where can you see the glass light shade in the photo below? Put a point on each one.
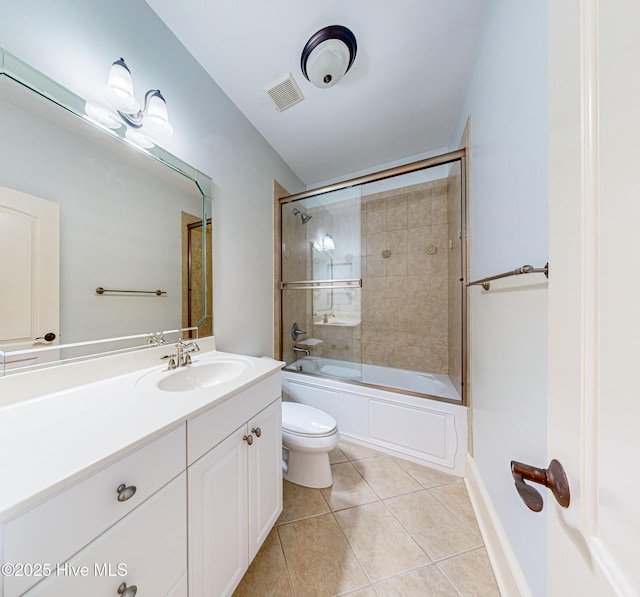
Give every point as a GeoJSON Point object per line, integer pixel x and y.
{"type": "Point", "coordinates": [327, 243]}
{"type": "Point", "coordinates": [327, 63]}
{"type": "Point", "coordinates": [119, 89]}
{"type": "Point", "coordinates": [101, 115]}
{"type": "Point", "coordinates": [137, 138]}
{"type": "Point", "coordinates": [156, 119]}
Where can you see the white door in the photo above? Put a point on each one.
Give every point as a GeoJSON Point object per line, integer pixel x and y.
{"type": "Point", "coordinates": [594, 287]}
{"type": "Point", "coordinates": [265, 474]}
{"type": "Point", "coordinates": [29, 260]}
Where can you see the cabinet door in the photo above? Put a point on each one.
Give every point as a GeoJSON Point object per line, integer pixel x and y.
{"type": "Point", "coordinates": [265, 474]}
{"type": "Point", "coordinates": [218, 555]}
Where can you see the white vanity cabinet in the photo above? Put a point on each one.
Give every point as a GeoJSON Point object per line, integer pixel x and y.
{"type": "Point", "coordinates": [49, 534]}
{"type": "Point", "coordinates": [145, 553]}
{"type": "Point", "coordinates": [118, 490]}
{"type": "Point", "coordinates": [235, 487]}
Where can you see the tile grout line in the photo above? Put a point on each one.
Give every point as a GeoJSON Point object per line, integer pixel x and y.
{"type": "Point", "coordinates": [286, 563]}
{"type": "Point", "coordinates": [406, 529]}
{"type": "Point", "coordinates": [356, 556]}
{"type": "Point", "coordinates": [459, 518]}
{"type": "Point", "coordinates": [462, 553]}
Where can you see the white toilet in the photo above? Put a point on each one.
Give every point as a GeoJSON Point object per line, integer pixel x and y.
{"type": "Point", "coordinates": [308, 435]}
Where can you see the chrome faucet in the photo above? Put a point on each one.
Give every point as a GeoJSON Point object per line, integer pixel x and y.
{"type": "Point", "coordinates": [182, 358]}
{"type": "Point", "coordinates": [157, 339]}
{"type": "Point", "coordinates": [305, 350]}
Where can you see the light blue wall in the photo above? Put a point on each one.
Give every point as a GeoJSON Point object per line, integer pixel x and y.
{"type": "Point", "coordinates": [506, 98]}
{"type": "Point", "coordinates": [75, 42]}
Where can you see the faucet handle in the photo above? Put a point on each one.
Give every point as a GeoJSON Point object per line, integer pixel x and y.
{"type": "Point", "coordinates": [296, 331]}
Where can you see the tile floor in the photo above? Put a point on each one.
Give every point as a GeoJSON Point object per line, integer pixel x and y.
{"type": "Point", "coordinates": [386, 528]}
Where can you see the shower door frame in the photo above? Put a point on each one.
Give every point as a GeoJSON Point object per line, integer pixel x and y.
{"type": "Point", "coordinates": [281, 199]}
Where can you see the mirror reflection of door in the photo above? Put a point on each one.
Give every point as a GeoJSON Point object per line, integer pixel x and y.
{"type": "Point", "coordinates": [30, 272]}
{"type": "Point", "coordinates": [192, 275]}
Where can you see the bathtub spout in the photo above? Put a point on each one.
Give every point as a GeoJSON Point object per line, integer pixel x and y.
{"type": "Point", "coordinates": [306, 351]}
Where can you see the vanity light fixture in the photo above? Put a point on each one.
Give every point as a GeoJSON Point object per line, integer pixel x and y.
{"type": "Point", "coordinates": [327, 243]}
{"type": "Point", "coordinates": [328, 55]}
{"type": "Point", "coordinates": [119, 106]}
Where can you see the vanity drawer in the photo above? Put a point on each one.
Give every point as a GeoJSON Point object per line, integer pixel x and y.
{"type": "Point", "coordinates": [210, 428]}
{"type": "Point", "coordinates": [147, 549]}
{"type": "Point", "coordinates": [53, 531]}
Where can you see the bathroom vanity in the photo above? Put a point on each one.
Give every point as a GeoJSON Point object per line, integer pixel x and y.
{"type": "Point", "coordinates": [166, 482]}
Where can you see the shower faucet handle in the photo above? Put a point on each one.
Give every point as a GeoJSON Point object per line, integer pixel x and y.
{"type": "Point", "coordinates": [296, 331]}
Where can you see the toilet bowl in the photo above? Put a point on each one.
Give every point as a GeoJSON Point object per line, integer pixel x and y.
{"type": "Point", "coordinates": [308, 435]}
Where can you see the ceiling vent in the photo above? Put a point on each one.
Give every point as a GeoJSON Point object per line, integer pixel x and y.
{"type": "Point", "coordinates": [285, 93]}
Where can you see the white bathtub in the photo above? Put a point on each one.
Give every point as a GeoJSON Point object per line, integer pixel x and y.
{"type": "Point", "coordinates": [428, 431]}
{"type": "Point", "coordinates": [432, 384]}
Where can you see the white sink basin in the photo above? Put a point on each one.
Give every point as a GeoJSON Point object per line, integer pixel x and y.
{"type": "Point", "coordinates": [197, 376]}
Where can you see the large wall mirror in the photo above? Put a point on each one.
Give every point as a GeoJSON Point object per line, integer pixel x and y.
{"type": "Point", "coordinates": [101, 243]}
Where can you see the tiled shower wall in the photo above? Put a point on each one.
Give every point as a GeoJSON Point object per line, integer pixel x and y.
{"type": "Point", "coordinates": [405, 288]}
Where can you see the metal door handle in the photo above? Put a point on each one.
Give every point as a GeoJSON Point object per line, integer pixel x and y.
{"type": "Point", "coordinates": [552, 477]}
{"type": "Point", "coordinates": [257, 431]}
{"type": "Point", "coordinates": [48, 337]}
{"type": "Point", "coordinates": [248, 439]}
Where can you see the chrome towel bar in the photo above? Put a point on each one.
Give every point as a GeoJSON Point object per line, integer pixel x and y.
{"type": "Point", "coordinates": [525, 269]}
{"type": "Point", "coordinates": [101, 290]}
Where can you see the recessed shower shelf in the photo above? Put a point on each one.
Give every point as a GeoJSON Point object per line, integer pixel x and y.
{"type": "Point", "coordinates": [337, 323]}
{"type": "Point", "coordinates": [309, 342]}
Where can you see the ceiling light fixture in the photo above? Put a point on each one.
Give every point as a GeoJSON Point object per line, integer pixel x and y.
{"type": "Point", "coordinates": [119, 106]}
{"type": "Point", "coordinates": [328, 55]}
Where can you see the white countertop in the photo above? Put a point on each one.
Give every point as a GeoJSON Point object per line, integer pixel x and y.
{"type": "Point", "coordinates": [48, 442]}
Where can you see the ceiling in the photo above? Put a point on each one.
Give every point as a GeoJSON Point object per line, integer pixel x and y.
{"type": "Point", "coordinates": [401, 97]}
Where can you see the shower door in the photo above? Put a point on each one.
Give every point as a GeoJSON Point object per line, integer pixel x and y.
{"type": "Point", "coordinates": [321, 276]}
{"type": "Point", "coordinates": [372, 281]}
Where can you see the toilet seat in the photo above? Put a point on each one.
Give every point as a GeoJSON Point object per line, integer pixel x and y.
{"type": "Point", "coordinates": [305, 421]}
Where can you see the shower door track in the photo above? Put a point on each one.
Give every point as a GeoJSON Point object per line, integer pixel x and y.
{"type": "Point", "coordinates": [437, 160]}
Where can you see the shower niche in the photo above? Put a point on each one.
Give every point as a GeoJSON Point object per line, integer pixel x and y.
{"type": "Point", "coordinates": [373, 274]}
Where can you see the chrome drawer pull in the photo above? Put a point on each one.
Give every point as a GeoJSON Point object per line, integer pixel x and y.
{"type": "Point", "coordinates": [127, 591]}
{"type": "Point", "coordinates": [125, 493]}
{"type": "Point", "coordinates": [257, 431]}
{"type": "Point", "coordinates": [248, 439]}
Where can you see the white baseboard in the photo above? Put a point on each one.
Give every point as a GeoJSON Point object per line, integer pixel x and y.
{"type": "Point", "coordinates": [509, 576]}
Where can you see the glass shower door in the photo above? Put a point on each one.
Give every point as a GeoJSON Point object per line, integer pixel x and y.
{"type": "Point", "coordinates": [321, 280]}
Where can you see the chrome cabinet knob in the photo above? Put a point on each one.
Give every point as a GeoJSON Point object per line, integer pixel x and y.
{"type": "Point", "coordinates": [125, 493]}
{"type": "Point", "coordinates": [257, 431]}
{"type": "Point", "coordinates": [126, 591]}
{"type": "Point", "coordinates": [248, 439]}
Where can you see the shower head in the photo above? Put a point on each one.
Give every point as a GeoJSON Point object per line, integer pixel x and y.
{"type": "Point", "coordinates": [303, 216]}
